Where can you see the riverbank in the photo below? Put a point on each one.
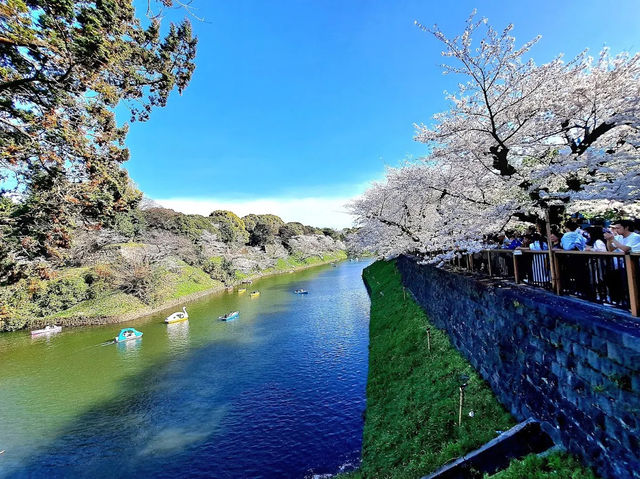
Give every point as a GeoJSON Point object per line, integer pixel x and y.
{"type": "Point", "coordinates": [411, 424]}
{"type": "Point", "coordinates": [176, 289]}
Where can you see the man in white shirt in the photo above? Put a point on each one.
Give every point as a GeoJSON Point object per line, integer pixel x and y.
{"type": "Point", "coordinates": [626, 241]}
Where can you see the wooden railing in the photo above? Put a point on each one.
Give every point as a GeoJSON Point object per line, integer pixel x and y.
{"type": "Point", "coordinates": [601, 277]}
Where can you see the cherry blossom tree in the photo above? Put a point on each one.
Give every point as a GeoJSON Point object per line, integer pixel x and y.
{"type": "Point", "coordinates": [518, 141]}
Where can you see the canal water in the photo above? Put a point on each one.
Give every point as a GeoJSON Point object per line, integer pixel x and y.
{"type": "Point", "coordinates": [279, 392]}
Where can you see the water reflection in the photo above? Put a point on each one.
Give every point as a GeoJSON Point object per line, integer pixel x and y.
{"type": "Point", "coordinates": [43, 338]}
{"type": "Point", "coordinates": [129, 349]}
{"type": "Point", "coordinates": [178, 334]}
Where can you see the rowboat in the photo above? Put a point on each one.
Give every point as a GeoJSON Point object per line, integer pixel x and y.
{"type": "Point", "coordinates": [230, 316]}
{"type": "Point", "coordinates": [254, 294]}
{"type": "Point", "coordinates": [242, 290]}
{"type": "Point", "coordinates": [127, 334]}
{"type": "Point", "coordinates": [47, 330]}
{"type": "Point", "coordinates": [301, 291]}
{"type": "Point", "coordinates": [247, 281]}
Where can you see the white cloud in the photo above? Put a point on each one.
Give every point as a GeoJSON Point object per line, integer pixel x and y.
{"type": "Point", "coordinates": [319, 212]}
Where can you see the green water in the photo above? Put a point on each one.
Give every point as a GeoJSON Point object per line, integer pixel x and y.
{"type": "Point", "coordinates": [54, 390]}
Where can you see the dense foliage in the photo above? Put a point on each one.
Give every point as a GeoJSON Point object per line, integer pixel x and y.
{"type": "Point", "coordinates": [290, 230]}
{"type": "Point", "coordinates": [262, 229]}
{"type": "Point", "coordinates": [231, 226]}
{"type": "Point", "coordinates": [191, 226]}
{"type": "Point", "coordinates": [65, 66]}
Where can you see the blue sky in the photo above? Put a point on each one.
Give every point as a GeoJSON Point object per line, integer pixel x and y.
{"type": "Point", "coordinates": [296, 105]}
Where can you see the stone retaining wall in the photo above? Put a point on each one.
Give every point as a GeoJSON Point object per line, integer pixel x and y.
{"type": "Point", "coordinates": [573, 365]}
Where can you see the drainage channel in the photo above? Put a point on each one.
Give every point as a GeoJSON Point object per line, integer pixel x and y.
{"type": "Point", "coordinates": [519, 441]}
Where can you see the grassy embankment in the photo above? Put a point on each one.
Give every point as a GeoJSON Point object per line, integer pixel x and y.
{"type": "Point", "coordinates": [413, 396]}
{"type": "Point", "coordinates": [88, 295]}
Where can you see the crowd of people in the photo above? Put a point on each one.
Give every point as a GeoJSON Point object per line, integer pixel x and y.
{"type": "Point", "coordinates": [620, 236]}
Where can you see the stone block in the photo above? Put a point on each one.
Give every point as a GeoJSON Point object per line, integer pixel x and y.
{"type": "Point", "coordinates": [562, 357]}
{"type": "Point", "coordinates": [632, 341]}
{"type": "Point", "coordinates": [631, 359]}
{"type": "Point", "coordinates": [579, 350]}
{"type": "Point", "coordinates": [557, 338]}
{"type": "Point", "coordinates": [615, 352]}
{"type": "Point", "coordinates": [605, 404]}
{"type": "Point", "coordinates": [599, 345]}
{"type": "Point", "coordinates": [594, 360]}
{"type": "Point", "coordinates": [610, 368]}
{"type": "Point", "coordinates": [569, 332]}
{"type": "Point", "coordinates": [630, 401]}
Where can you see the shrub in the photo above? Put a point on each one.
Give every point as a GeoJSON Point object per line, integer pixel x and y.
{"type": "Point", "coordinates": [262, 235]}
{"type": "Point", "coordinates": [231, 227]}
{"type": "Point", "coordinates": [218, 268]}
{"type": "Point", "coordinates": [262, 229]}
{"type": "Point", "coordinates": [104, 272]}
{"type": "Point", "coordinates": [139, 278]}
{"type": "Point", "coordinates": [129, 224]}
{"type": "Point", "coordinates": [331, 233]}
{"type": "Point", "coordinates": [191, 226]}
{"type": "Point", "coordinates": [289, 230]}
{"type": "Point", "coordinates": [58, 295]}
{"type": "Point", "coordinates": [312, 230]}
{"type": "Point", "coordinates": [250, 222]}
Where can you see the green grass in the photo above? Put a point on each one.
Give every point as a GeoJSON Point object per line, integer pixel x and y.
{"type": "Point", "coordinates": [557, 465]}
{"type": "Point", "coordinates": [109, 304]}
{"type": "Point", "coordinates": [188, 281]}
{"type": "Point", "coordinates": [239, 276]}
{"type": "Point", "coordinates": [411, 425]}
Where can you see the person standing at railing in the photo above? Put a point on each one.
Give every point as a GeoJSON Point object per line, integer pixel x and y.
{"type": "Point", "coordinates": [626, 241]}
{"type": "Point", "coordinates": [596, 241]}
{"type": "Point", "coordinates": [538, 243]}
{"type": "Point", "coordinates": [539, 269]}
{"type": "Point", "coordinates": [597, 265]}
{"type": "Point", "coordinates": [573, 269]}
{"type": "Point", "coordinates": [515, 243]}
{"type": "Point", "coordinates": [573, 239]}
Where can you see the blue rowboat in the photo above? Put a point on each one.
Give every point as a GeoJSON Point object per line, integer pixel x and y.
{"type": "Point", "coordinates": [128, 334]}
{"type": "Point", "coordinates": [230, 316]}
{"type": "Point", "coordinates": [301, 291]}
